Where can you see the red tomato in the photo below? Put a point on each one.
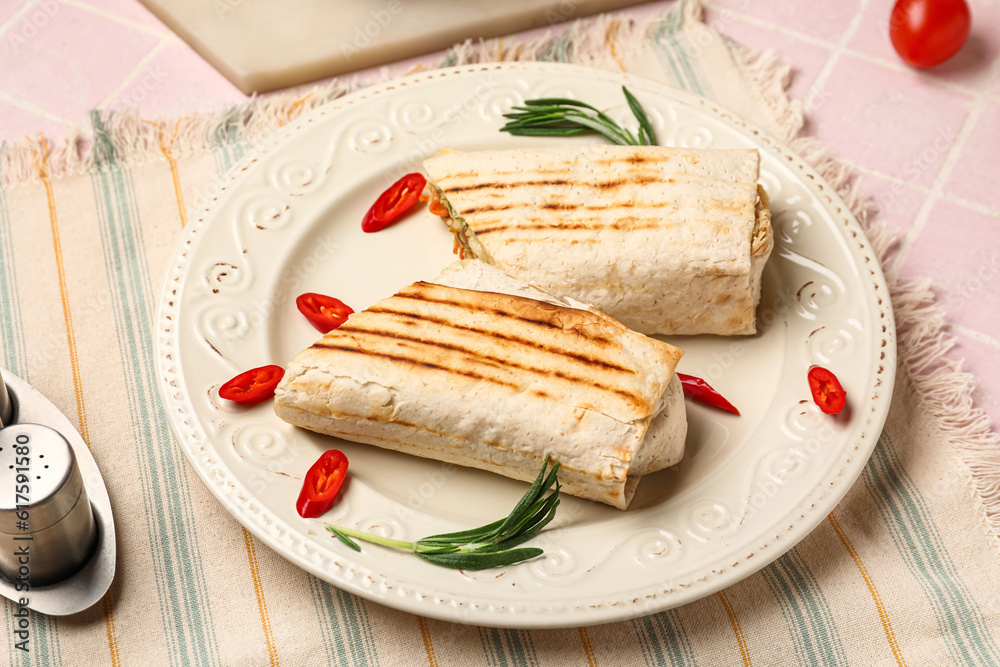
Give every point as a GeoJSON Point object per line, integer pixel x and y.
{"type": "Point", "coordinates": [826, 390]}
{"type": "Point", "coordinates": [324, 312]}
{"type": "Point", "coordinates": [928, 32]}
{"type": "Point", "coordinates": [252, 386]}
{"type": "Point", "coordinates": [322, 482]}
{"type": "Point", "coordinates": [394, 202]}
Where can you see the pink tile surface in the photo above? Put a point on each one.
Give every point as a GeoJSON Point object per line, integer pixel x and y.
{"type": "Point", "coordinates": [898, 204]}
{"type": "Point", "coordinates": [826, 20]}
{"type": "Point", "coordinates": [895, 122]}
{"type": "Point", "coordinates": [807, 58]}
{"type": "Point", "coordinates": [177, 81]}
{"type": "Point", "coordinates": [10, 7]}
{"type": "Point", "coordinates": [15, 123]}
{"type": "Point", "coordinates": [975, 174]}
{"type": "Point", "coordinates": [969, 67]}
{"type": "Point", "coordinates": [958, 249]}
{"type": "Point", "coordinates": [72, 62]}
{"type": "Point", "coordinates": [129, 10]}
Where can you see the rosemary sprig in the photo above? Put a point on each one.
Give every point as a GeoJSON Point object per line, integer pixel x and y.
{"type": "Point", "coordinates": [484, 547]}
{"type": "Point", "coordinates": [562, 117]}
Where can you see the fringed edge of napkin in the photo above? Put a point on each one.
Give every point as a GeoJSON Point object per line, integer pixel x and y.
{"type": "Point", "coordinates": [941, 385]}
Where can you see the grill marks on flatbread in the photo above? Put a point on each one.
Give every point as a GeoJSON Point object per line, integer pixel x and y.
{"type": "Point", "coordinates": [650, 235]}
{"type": "Point", "coordinates": [507, 341]}
{"type": "Point", "coordinates": [483, 370]}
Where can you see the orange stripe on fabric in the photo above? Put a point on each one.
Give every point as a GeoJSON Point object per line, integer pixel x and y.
{"type": "Point", "coordinates": [425, 633]}
{"type": "Point", "coordinates": [737, 628]}
{"type": "Point", "coordinates": [287, 114]}
{"type": "Point", "coordinates": [109, 626]}
{"type": "Point", "coordinates": [41, 163]}
{"type": "Point", "coordinates": [265, 619]}
{"type": "Point", "coordinates": [609, 39]}
{"type": "Point", "coordinates": [167, 150]}
{"type": "Point", "coordinates": [883, 615]}
{"type": "Point", "coordinates": [588, 648]}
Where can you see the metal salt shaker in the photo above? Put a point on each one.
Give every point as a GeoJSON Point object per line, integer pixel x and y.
{"type": "Point", "coordinates": [47, 527]}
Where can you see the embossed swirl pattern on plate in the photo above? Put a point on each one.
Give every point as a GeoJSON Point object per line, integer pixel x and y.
{"type": "Point", "coordinates": [260, 442]}
{"type": "Point", "coordinates": [690, 122]}
{"type": "Point", "coordinates": [656, 548]}
{"type": "Point", "coordinates": [369, 136]}
{"type": "Point", "coordinates": [711, 519]}
{"type": "Point", "coordinates": [266, 212]}
{"type": "Point", "coordinates": [413, 115]}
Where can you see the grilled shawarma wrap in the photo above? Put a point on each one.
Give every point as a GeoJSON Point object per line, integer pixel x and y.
{"type": "Point", "coordinates": [482, 370]}
{"type": "Point", "coordinates": [665, 240]}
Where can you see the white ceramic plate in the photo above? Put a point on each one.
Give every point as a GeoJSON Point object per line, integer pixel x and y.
{"type": "Point", "coordinates": [288, 221]}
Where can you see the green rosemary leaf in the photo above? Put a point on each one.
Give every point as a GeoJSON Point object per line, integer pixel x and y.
{"type": "Point", "coordinates": [645, 127]}
{"type": "Point", "coordinates": [546, 131]}
{"type": "Point", "coordinates": [557, 101]}
{"type": "Point", "coordinates": [486, 546]}
{"type": "Point", "coordinates": [344, 538]}
{"type": "Point", "coordinates": [481, 561]}
{"type": "Point", "coordinates": [561, 117]}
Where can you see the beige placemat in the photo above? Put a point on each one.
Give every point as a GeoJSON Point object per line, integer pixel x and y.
{"type": "Point", "coordinates": [903, 572]}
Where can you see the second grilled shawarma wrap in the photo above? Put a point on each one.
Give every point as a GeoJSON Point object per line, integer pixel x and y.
{"type": "Point", "coordinates": [497, 380]}
{"type": "Point", "coordinates": [665, 240]}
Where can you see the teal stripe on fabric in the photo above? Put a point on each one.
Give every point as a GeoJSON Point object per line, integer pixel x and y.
{"type": "Point", "coordinates": [508, 648]}
{"type": "Point", "coordinates": [674, 37]}
{"type": "Point", "coordinates": [227, 135]}
{"type": "Point", "coordinates": [670, 68]}
{"type": "Point", "coordinates": [663, 639]}
{"type": "Point", "coordinates": [806, 611]}
{"type": "Point", "coordinates": [45, 640]}
{"type": "Point", "coordinates": [344, 623]}
{"type": "Point", "coordinates": [182, 590]}
{"type": "Point", "coordinates": [919, 544]}
{"type": "Point", "coordinates": [12, 345]}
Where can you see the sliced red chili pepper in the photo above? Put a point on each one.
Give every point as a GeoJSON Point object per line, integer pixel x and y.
{"type": "Point", "coordinates": [322, 483]}
{"type": "Point", "coordinates": [826, 390]}
{"type": "Point", "coordinates": [699, 390]}
{"type": "Point", "coordinates": [324, 312]}
{"type": "Point", "coordinates": [394, 202]}
{"type": "Point", "coordinates": [252, 386]}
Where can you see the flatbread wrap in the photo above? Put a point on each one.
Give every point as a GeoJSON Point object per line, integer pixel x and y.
{"type": "Point", "coordinates": [665, 240]}
{"type": "Point", "coordinates": [482, 370]}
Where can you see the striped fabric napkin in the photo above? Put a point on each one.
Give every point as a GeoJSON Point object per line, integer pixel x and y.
{"type": "Point", "coordinates": [904, 571]}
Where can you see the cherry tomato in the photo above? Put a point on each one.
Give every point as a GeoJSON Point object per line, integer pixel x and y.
{"type": "Point", "coordinates": [928, 32]}
{"type": "Point", "coordinates": [826, 390]}
{"type": "Point", "coordinates": [394, 202]}
{"type": "Point", "coordinates": [252, 386]}
{"type": "Point", "coordinates": [322, 483]}
{"type": "Point", "coordinates": [324, 312]}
